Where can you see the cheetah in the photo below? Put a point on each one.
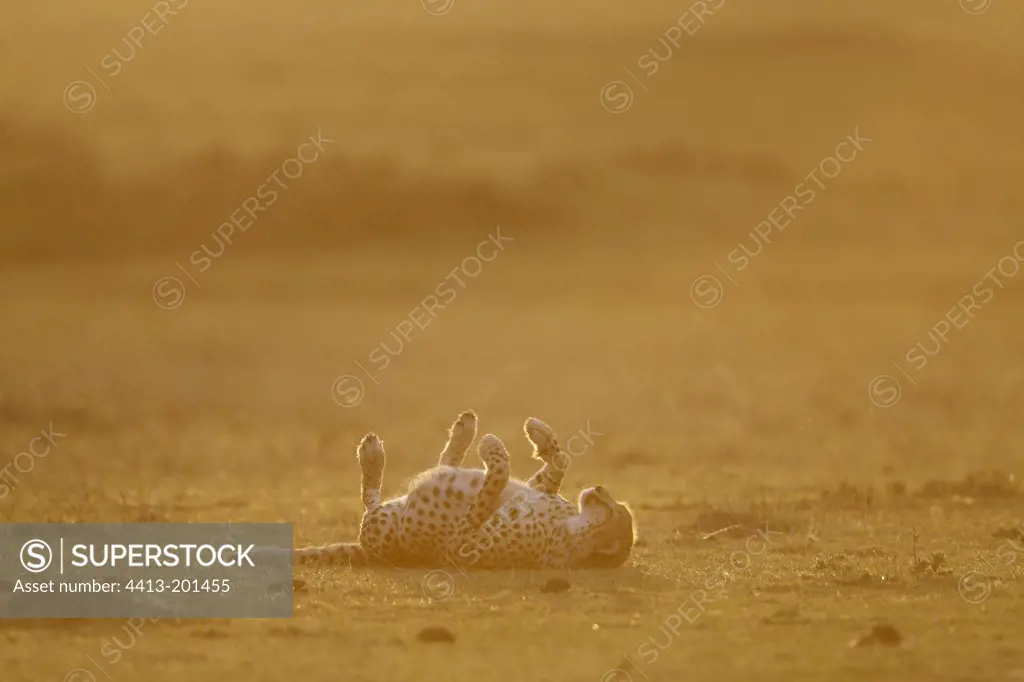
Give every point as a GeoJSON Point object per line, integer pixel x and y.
{"type": "Point", "coordinates": [483, 518]}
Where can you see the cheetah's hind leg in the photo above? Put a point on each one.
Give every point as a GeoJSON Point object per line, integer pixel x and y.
{"type": "Point", "coordinates": [371, 460]}
{"type": "Point", "coordinates": [545, 448]}
{"type": "Point", "coordinates": [460, 437]}
{"type": "Point", "coordinates": [370, 454]}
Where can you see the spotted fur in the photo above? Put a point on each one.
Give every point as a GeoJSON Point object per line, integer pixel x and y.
{"type": "Point", "coordinates": [483, 518]}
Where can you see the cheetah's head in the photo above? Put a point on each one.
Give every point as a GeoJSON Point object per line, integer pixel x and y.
{"type": "Point", "coordinates": [611, 529]}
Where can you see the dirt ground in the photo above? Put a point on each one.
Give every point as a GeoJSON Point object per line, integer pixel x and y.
{"type": "Point", "coordinates": [765, 254]}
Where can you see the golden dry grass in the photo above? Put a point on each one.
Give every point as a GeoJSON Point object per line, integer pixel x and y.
{"type": "Point", "coordinates": [446, 127]}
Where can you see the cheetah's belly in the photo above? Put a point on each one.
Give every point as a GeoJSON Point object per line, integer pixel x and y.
{"type": "Point", "coordinates": [515, 535]}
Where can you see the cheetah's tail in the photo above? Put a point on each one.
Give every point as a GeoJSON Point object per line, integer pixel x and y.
{"type": "Point", "coordinates": [340, 553]}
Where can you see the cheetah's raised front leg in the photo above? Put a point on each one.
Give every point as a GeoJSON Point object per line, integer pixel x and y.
{"type": "Point", "coordinates": [460, 437]}
{"type": "Point", "coordinates": [495, 458]}
{"type": "Point", "coordinates": [545, 448]}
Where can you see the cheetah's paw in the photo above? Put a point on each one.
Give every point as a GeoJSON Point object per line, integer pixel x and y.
{"type": "Point", "coordinates": [492, 452]}
{"type": "Point", "coordinates": [545, 445]}
{"type": "Point", "coordinates": [463, 431]}
{"type": "Point", "coordinates": [371, 453]}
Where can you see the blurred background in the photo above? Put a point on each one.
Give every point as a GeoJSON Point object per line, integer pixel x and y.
{"type": "Point", "coordinates": [624, 150]}
{"type": "Point", "coordinates": [747, 252]}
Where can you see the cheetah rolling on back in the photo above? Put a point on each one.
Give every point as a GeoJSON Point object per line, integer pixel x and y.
{"type": "Point", "coordinates": [482, 518]}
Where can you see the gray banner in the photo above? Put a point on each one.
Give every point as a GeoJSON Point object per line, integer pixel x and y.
{"type": "Point", "coordinates": [146, 570]}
